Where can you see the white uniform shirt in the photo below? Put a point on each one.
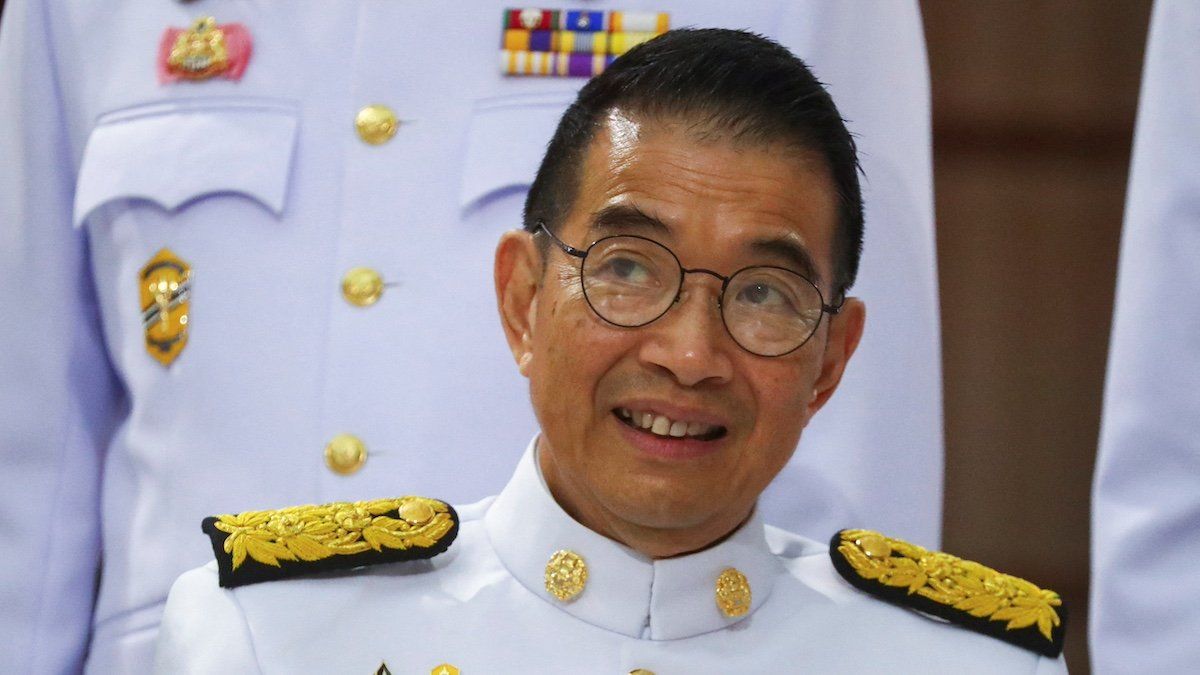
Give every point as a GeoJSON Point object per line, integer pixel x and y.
{"type": "Point", "coordinates": [483, 607]}
{"type": "Point", "coordinates": [1145, 608]}
{"type": "Point", "coordinates": [264, 189]}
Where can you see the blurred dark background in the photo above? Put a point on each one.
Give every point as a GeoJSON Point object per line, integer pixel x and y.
{"type": "Point", "coordinates": [1033, 109]}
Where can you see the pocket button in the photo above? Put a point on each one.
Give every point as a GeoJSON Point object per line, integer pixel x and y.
{"type": "Point", "coordinates": [345, 454]}
{"type": "Point", "coordinates": [362, 286]}
{"type": "Point", "coordinates": [376, 124]}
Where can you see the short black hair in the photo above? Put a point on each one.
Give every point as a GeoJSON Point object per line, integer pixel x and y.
{"type": "Point", "coordinates": [729, 81]}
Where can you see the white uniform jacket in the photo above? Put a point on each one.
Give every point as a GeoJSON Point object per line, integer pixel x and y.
{"type": "Point", "coordinates": [483, 607]}
{"type": "Point", "coordinates": [263, 188]}
{"type": "Point", "coordinates": [1145, 608]}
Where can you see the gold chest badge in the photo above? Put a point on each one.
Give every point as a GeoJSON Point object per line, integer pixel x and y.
{"type": "Point", "coordinates": [204, 50]}
{"type": "Point", "coordinates": [165, 288]}
{"type": "Point", "coordinates": [199, 52]}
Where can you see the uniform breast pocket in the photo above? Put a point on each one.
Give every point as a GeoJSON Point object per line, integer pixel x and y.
{"type": "Point", "coordinates": [173, 153]}
{"type": "Point", "coordinates": [505, 144]}
{"type": "Point", "coordinates": [184, 205]}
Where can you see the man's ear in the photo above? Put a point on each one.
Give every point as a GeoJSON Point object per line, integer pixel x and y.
{"type": "Point", "coordinates": [845, 331]}
{"type": "Point", "coordinates": [518, 274]}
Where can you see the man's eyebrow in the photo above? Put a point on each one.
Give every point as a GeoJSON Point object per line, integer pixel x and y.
{"type": "Point", "coordinates": [626, 219]}
{"type": "Point", "coordinates": [793, 253]}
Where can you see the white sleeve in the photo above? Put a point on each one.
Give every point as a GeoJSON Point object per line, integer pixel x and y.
{"type": "Point", "coordinates": [203, 630]}
{"type": "Point", "coordinates": [58, 396]}
{"type": "Point", "coordinates": [1145, 604]}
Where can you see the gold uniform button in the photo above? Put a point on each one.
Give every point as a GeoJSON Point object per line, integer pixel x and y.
{"type": "Point", "coordinates": [362, 286]}
{"type": "Point", "coordinates": [733, 593]}
{"type": "Point", "coordinates": [416, 513]}
{"type": "Point", "coordinates": [875, 546]}
{"type": "Point", "coordinates": [345, 454]}
{"type": "Point", "coordinates": [566, 575]}
{"type": "Point", "coordinates": [376, 124]}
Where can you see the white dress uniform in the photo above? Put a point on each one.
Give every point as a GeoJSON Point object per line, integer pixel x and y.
{"type": "Point", "coordinates": [262, 196]}
{"type": "Point", "coordinates": [484, 607]}
{"type": "Point", "coordinates": [1145, 604]}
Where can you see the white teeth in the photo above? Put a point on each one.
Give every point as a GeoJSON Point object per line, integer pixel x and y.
{"type": "Point", "coordinates": [661, 425]}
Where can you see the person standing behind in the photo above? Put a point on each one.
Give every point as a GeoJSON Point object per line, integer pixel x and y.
{"type": "Point", "coordinates": [1145, 605]}
{"type": "Point", "coordinates": [243, 261]}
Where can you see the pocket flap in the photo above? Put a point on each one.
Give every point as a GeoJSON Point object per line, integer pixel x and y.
{"type": "Point", "coordinates": [506, 141]}
{"type": "Point", "coordinates": [171, 153]}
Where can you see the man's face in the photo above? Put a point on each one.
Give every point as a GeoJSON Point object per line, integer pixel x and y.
{"type": "Point", "coordinates": [719, 206]}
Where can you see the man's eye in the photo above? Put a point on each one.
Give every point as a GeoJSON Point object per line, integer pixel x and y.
{"type": "Point", "coordinates": [627, 270]}
{"type": "Point", "coordinates": [765, 296]}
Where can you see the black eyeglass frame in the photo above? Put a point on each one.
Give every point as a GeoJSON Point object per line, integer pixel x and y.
{"type": "Point", "coordinates": [582, 254]}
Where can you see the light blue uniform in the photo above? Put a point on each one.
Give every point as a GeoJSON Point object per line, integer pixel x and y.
{"type": "Point", "coordinates": [483, 607]}
{"type": "Point", "coordinates": [265, 190]}
{"type": "Point", "coordinates": [1145, 603]}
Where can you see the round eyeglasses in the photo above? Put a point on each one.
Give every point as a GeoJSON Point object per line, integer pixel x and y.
{"type": "Point", "coordinates": [630, 281]}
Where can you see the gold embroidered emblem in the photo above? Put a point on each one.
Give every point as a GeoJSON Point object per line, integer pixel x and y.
{"type": "Point", "coordinates": [946, 580]}
{"type": "Point", "coordinates": [444, 669]}
{"type": "Point", "coordinates": [256, 546]}
{"type": "Point", "coordinates": [199, 52]}
{"type": "Point", "coordinates": [312, 533]}
{"type": "Point", "coordinates": [566, 575]}
{"type": "Point", "coordinates": [165, 288]}
{"type": "Point", "coordinates": [733, 593]}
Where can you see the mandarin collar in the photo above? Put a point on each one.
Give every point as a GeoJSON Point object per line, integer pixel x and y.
{"type": "Point", "coordinates": [626, 592]}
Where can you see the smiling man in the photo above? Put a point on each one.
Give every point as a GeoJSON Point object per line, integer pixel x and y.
{"type": "Point", "coordinates": [677, 301]}
{"type": "Point", "coordinates": [670, 395]}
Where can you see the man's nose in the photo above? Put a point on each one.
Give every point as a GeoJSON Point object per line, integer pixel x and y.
{"type": "Point", "coordinates": [690, 340]}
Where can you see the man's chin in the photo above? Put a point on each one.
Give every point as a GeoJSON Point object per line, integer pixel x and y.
{"type": "Point", "coordinates": [673, 510]}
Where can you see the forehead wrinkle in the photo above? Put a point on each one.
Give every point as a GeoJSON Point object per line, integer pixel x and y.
{"type": "Point", "coordinates": [679, 171]}
{"type": "Point", "coordinates": [656, 180]}
{"type": "Point", "coordinates": [640, 195]}
{"type": "Point", "coordinates": [621, 156]}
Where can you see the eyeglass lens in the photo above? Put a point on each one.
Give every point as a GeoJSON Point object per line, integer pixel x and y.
{"type": "Point", "coordinates": [631, 281]}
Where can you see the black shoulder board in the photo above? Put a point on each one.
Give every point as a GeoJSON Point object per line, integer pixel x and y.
{"type": "Point", "coordinates": [259, 546]}
{"type": "Point", "coordinates": [960, 591]}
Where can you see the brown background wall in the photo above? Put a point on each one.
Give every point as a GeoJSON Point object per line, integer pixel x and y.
{"type": "Point", "coordinates": [1033, 108]}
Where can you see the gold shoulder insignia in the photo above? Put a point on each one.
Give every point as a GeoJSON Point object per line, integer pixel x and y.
{"type": "Point", "coordinates": [259, 546]}
{"type": "Point", "coordinates": [960, 591]}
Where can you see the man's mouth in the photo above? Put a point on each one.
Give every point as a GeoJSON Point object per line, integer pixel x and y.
{"type": "Point", "coordinates": [661, 425]}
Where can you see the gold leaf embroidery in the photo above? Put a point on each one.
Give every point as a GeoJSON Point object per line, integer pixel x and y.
{"type": "Point", "coordinates": [973, 588]}
{"type": "Point", "coordinates": [342, 528]}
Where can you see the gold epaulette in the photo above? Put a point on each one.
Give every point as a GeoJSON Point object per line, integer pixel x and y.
{"type": "Point", "coordinates": [960, 591]}
{"type": "Point", "coordinates": [259, 546]}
